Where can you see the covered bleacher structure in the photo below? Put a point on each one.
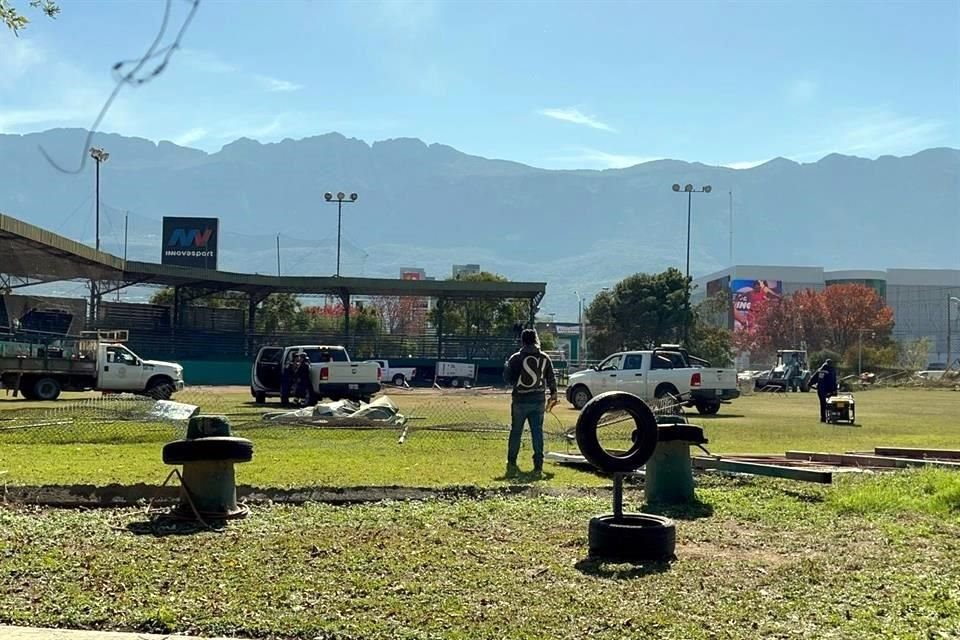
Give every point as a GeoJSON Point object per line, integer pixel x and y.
{"type": "Point", "coordinates": [185, 332]}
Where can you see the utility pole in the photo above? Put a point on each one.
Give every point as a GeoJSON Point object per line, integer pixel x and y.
{"type": "Point", "coordinates": [278, 255]}
{"type": "Point", "coordinates": [731, 228]}
{"type": "Point", "coordinates": [689, 190]}
{"type": "Point", "coordinates": [950, 299]}
{"type": "Point", "coordinates": [99, 157]}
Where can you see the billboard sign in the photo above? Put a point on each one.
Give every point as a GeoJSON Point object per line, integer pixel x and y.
{"type": "Point", "coordinates": [747, 294]}
{"type": "Point", "coordinates": [190, 242]}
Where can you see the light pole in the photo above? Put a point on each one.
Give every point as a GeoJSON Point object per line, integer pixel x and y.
{"type": "Point", "coordinates": [949, 334]}
{"type": "Point", "coordinates": [99, 156]}
{"type": "Point", "coordinates": [860, 333]}
{"type": "Point", "coordinates": [340, 199]}
{"type": "Point", "coordinates": [689, 190]}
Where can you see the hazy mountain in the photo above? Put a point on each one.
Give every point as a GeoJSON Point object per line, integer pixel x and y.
{"type": "Point", "coordinates": [430, 206]}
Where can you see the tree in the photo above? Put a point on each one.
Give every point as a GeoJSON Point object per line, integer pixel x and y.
{"type": "Point", "coordinates": [548, 341]}
{"type": "Point", "coordinates": [481, 317]}
{"type": "Point", "coordinates": [400, 315]}
{"type": "Point", "coordinates": [834, 319]}
{"type": "Point", "coordinates": [707, 339]}
{"type": "Point", "coordinates": [16, 21]}
{"type": "Point", "coordinates": [913, 355]}
{"type": "Point", "coordinates": [641, 311]}
{"type": "Point", "coordinates": [278, 312]}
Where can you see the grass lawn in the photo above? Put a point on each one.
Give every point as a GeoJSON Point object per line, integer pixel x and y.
{"type": "Point", "coordinates": [104, 453]}
{"type": "Point", "coordinates": [869, 557]}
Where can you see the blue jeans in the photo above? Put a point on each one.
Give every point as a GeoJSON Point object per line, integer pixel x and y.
{"type": "Point", "coordinates": [522, 412]}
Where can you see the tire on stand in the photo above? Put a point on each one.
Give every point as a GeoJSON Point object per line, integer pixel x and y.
{"type": "Point", "coordinates": [644, 436]}
{"type": "Point", "coordinates": [632, 537]}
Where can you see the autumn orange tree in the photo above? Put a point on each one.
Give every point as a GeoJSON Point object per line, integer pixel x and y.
{"type": "Point", "coordinates": [833, 319]}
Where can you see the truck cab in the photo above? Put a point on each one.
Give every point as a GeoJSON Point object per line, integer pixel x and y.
{"type": "Point", "coordinates": [657, 373]}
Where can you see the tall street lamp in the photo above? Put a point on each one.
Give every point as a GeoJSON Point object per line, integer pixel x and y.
{"type": "Point", "coordinates": [99, 156]}
{"type": "Point", "coordinates": [950, 300]}
{"type": "Point", "coordinates": [689, 190]}
{"type": "Point", "coordinates": [860, 333]}
{"type": "Point", "coordinates": [339, 199]}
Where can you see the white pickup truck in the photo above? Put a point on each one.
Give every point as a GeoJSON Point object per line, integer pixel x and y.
{"type": "Point", "coordinates": [668, 370]}
{"type": "Point", "coordinates": [332, 374]}
{"type": "Point", "coordinates": [397, 375]}
{"type": "Point", "coordinates": [41, 371]}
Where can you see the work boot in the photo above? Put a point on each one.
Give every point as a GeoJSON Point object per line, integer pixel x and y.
{"type": "Point", "coordinates": [512, 470]}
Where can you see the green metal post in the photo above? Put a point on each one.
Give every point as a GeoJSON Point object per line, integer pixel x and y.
{"type": "Point", "coordinates": [669, 475]}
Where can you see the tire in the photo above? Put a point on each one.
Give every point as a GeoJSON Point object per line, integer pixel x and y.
{"type": "Point", "coordinates": [208, 449]}
{"type": "Point", "coordinates": [644, 436]}
{"type": "Point", "coordinates": [632, 537]}
{"type": "Point", "coordinates": [580, 396]}
{"type": "Point", "coordinates": [708, 408]}
{"type": "Point", "coordinates": [260, 397]}
{"type": "Point", "coordinates": [399, 380]}
{"type": "Point", "coordinates": [45, 389]}
{"type": "Point", "coordinates": [159, 388]}
{"type": "Point", "coordinates": [665, 390]}
{"type": "Point", "coordinates": [455, 383]}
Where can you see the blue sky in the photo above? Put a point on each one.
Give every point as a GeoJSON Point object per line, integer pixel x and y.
{"type": "Point", "coordinates": [551, 84]}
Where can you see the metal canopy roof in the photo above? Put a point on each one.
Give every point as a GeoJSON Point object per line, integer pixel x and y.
{"type": "Point", "coordinates": [35, 255]}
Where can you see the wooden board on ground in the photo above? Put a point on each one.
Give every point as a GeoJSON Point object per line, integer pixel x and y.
{"type": "Point", "coordinates": [909, 452]}
{"type": "Point", "coordinates": [868, 460]}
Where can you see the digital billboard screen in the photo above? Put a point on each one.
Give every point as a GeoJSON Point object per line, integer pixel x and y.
{"type": "Point", "coordinates": [747, 296]}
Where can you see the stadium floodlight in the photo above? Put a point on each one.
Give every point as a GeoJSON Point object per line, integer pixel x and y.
{"type": "Point", "coordinates": [340, 199]}
{"type": "Point", "coordinates": [689, 190]}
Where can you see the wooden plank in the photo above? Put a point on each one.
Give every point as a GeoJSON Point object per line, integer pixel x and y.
{"type": "Point", "coordinates": [772, 470]}
{"type": "Point", "coordinates": [868, 460]}
{"type": "Point", "coordinates": [908, 452]}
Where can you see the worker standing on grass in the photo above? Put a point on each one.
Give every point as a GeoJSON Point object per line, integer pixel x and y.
{"type": "Point", "coordinates": [825, 380]}
{"type": "Point", "coordinates": [530, 373]}
{"type": "Point", "coordinates": [288, 379]}
{"type": "Point", "coordinates": [304, 390]}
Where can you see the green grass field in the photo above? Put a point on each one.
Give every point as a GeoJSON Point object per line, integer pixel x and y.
{"type": "Point", "coordinates": [871, 556]}
{"type": "Point", "coordinates": [104, 453]}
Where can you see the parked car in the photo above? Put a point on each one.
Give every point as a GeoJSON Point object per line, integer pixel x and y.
{"type": "Point", "coordinates": [332, 374]}
{"type": "Point", "coordinates": [397, 375]}
{"type": "Point", "coordinates": [668, 370]}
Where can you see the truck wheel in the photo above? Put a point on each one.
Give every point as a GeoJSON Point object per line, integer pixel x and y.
{"type": "Point", "coordinates": [160, 388]}
{"type": "Point", "coordinates": [399, 380]}
{"type": "Point", "coordinates": [665, 390]}
{"type": "Point", "coordinates": [260, 397]}
{"type": "Point", "coordinates": [708, 408]}
{"type": "Point", "coordinates": [455, 383]}
{"type": "Point", "coordinates": [580, 397]}
{"type": "Point", "coordinates": [46, 389]}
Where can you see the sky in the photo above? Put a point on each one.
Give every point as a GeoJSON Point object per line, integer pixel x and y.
{"type": "Point", "coordinates": [560, 84]}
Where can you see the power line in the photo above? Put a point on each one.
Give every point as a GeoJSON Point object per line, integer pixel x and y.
{"type": "Point", "coordinates": [131, 77]}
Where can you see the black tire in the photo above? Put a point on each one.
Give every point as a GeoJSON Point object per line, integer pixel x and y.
{"type": "Point", "coordinates": [26, 389]}
{"type": "Point", "coordinates": [398, 380]}
{"type": "Point", "coordinates": [45, 389]}
{"type": "Point", "coordinates": [665, 390]}
{"type": "Point", "coordinates": [632, 537]}
{"type": "Point", "coordinates": [580, 396]}
{"type": "Point", "coordinates": [159, 388]}
{"type": "Point", "coordinates": [455, 383]}
{"type": "Point", "coordinates": [208, 449]}
{"type": "Point", "coordinates": [644, 436]}
{"type": "Point", "coordinates": [260, 397]}
{"type": "Point", "coordinates": [708, 408]}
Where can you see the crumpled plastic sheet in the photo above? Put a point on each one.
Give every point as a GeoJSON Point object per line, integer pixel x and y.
{"type": "Point", "coordinates": [345, 412]}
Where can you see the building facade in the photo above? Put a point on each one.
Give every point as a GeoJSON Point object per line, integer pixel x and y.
{"type": "Point", "coordinates": [918, 297]}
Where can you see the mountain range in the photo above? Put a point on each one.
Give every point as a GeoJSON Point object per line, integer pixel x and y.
{"type": "Point", "coordinates": [431, 206]}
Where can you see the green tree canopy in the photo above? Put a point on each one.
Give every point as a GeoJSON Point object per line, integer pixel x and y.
{"type": "Point", "coordinates": [640, 312]}
{"type": "Point", "coordinates": [16, 21]}
{"type": "Point", "coordinates": [476, 317]}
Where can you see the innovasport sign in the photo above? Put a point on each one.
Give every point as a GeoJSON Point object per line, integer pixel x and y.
{"type": "Point", "coordinates": [748, 296]}
{"type": "Point", "coordinates": [190, 242]}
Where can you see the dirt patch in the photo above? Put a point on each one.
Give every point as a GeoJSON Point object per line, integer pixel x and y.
{"type": "Point", "coordinates": [115, 495]}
